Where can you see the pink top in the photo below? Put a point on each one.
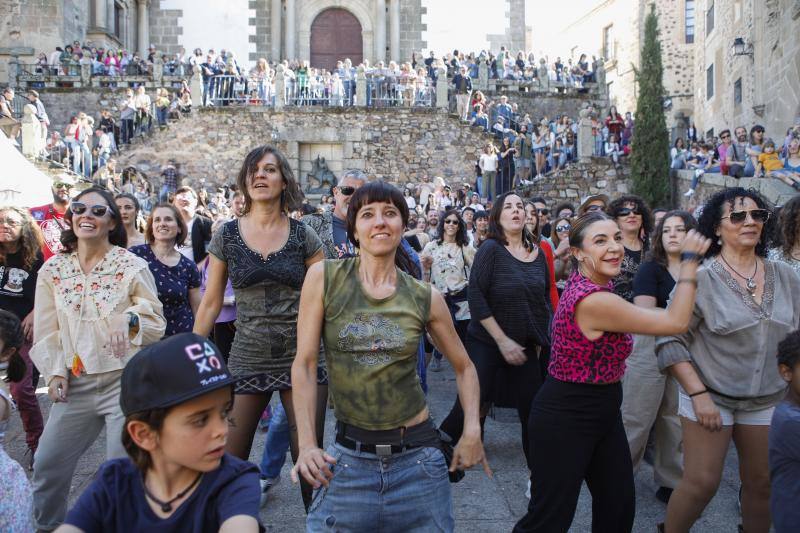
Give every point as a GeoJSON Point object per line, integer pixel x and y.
{"type": "Point", "coordinates": [573, 357]}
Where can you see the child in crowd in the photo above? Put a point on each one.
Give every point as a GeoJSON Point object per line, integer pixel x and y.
{"type": "Point", "coordinates": [784, 442]}
{"type": "Point", "coordinates": [16, 497]}
{"type": "Point", "coordinates": [176, 397]}
{"type": "Point", "coordinates": [768, 160]}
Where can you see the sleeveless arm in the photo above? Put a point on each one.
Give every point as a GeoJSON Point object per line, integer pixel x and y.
{"type": "Point", "coordinates": [304, 369]}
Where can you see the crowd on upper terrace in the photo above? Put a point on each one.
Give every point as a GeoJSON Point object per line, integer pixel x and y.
{"type": "Point", "coordinates": [740, 154]}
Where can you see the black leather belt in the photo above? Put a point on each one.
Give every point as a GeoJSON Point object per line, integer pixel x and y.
{"type": "Point", "coordinates": [384, 443]}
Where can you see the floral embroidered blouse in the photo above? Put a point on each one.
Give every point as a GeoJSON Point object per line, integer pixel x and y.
{"type": "Point", "coordinates": [73, 311]}
{"type": "Point", "coordinates": [450, 270]}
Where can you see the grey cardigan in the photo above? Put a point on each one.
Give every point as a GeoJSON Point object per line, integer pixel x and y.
{"type": "Point", "coordinates": [732, 341]}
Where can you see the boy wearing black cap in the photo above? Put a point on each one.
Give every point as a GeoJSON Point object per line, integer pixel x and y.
{"type": "Point", "coordinates": [176, 397]}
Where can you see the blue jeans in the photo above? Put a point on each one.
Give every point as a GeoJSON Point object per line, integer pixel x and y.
{"type": "Point", "coordinates": [277, 444]}
{"type": "Point", "coordinates": [404, 492]}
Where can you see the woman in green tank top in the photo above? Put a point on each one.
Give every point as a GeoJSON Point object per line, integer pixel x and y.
{"type": "Point", "coordinates": [385, 471]}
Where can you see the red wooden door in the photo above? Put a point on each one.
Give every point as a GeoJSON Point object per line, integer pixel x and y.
{"type": "Point", "coordinates": [335, 35]}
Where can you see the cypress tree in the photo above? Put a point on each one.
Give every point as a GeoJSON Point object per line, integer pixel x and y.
{"type": "Point", "coordinates": [650, 143]}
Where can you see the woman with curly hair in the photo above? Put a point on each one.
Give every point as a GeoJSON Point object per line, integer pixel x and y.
{"type": "Point", "coordinates": [21, 243]}
{"type": "Point", "coordinates": [725, 362]}
{"type": "Point", "coordinates": [634, 219]}
{"type": "Point", "coordinates": [788, 235]}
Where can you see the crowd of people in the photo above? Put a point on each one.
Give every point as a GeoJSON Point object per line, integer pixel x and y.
{"type": "Point", "coordinates": [597, 322]}
{"type": "Point", "coordinates": [739, 154]}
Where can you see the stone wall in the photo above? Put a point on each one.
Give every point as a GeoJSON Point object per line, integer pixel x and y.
{"type": "Point", "coordinates": [578, 180]}
{"type": "Point", "coordinates": [775, 191]}
{"type": "Point", "coordinates": [553, 105]}
{"type": "Point", "coordinates": [397, 145]}
{"type": "Point", "coordinates": [165, 29]}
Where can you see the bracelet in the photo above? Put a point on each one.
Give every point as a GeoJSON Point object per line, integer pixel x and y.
{"type": "Point", "coordinates": [698, 393]}
{"type": "Point", "coordinates": [693, 281]}
{"type": "Point", "coordinates": [691, 257]}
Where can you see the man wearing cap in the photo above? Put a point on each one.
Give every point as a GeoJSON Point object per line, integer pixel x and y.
{"type": "Point", "coordinates": [50, 217]}
{"type": "Point", "coordinates": [176, 396]}
{"type": "Point", "coordinates": [593, 202]}
{"type": "Point", "coordinates": [463, 88]}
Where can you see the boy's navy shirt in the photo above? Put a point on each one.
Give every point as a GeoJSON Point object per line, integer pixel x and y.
{"type": "Point", "coordinates": [784, 467]}
{"type": "Point", "coordinates": [115, 500]}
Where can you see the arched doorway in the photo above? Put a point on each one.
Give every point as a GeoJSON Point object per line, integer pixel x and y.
{"type": "Point", "coordinates": [335, 35]}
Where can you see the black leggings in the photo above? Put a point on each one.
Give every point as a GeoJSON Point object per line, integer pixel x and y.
{"type": "Point", "coordinates": [521, 381]}
{"type": "Point", "coordinates": [577, 434]}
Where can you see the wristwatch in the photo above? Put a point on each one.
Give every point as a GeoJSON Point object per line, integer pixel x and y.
{"type": "Point", "coordinates": [133, 323]}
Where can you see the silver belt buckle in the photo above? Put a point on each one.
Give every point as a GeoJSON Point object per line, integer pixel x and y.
{"type": "Point", "coordinates": [383, 450]}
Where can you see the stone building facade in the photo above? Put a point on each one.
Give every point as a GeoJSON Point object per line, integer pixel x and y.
{"type": "Point", "coordinates": [614, 30]}
{"type": "Point", "coordinates": [761, 86]}
{"type": "Point", "coordinates": [517, 36]}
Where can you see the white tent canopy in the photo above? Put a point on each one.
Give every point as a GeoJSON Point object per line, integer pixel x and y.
{"type": "Point", "coordinates": [21, 183]}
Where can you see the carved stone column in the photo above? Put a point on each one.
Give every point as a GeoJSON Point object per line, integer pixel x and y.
{"type": "Point", "coordinates": [143, 27]}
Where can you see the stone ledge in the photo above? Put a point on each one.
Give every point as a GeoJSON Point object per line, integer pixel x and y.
{"type": "Point", "coordinates": [774, 191]}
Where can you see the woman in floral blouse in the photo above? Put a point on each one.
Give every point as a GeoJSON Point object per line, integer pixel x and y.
{"type": "Point", "coordinates": [96, 306]}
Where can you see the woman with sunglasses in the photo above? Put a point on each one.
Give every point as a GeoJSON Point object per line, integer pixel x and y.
{"type": "Point", "coordinates": [635, 221]}
{"type": "Point", "coordinates": [446, 263]}
{"type": "Point", "coordinates": [385, 471]}
{"type": "Point", "coordinates": [562, 266]}
{"type": "Point", "coordinates": [177, 276]}
{"type": "Point", "coordinates": [96, 306]}
{"type": "Point", "coordinates": [128, 207]}
{"type": "Point", "coordinates": [21, 244]}
{"type": "Point", "coordinates": [266, 254]}
{"type": "Point", "coordinates": [725, 362]}
{"type": "Point", "coordinates": [649, 397]}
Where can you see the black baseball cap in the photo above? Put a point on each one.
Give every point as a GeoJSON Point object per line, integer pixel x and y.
{"type": "Point", "coordinates": [172, 371]}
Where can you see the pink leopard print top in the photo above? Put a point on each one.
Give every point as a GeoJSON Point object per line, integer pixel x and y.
{"type": "Point", "coordinates": [573, 357]}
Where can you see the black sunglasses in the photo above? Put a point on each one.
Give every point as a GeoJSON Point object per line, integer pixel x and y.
{"type": "Point", "coordinates": [758, 215]}
{"type": "Point", "coordinates": [625, 211]}
{"type": "Point", "coordinates": [451, 221]}
{"type": "Point", "coordinates": [543, 211]}
{"type": "Point", "coordinates": [79, 208]}
{"type": "Point", "coordinates": [62, 185]}
{"type": "Point", "coordinates": [347, 190]}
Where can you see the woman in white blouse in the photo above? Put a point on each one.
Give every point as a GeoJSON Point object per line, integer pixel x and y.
{"type": "Point", "coordinates": [96, 306]}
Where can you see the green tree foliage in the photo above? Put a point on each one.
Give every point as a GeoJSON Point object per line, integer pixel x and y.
{"type": "Point", "coordinates": [650, 143]}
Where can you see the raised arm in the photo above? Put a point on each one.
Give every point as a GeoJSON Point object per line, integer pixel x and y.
{"type": "Point", "coordinates": [606, 312]}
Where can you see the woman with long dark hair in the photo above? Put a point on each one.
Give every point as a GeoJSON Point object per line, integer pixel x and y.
{"type": "Point", "coordinates": [446, 262]}
{"type": "Point", "coordinates": [575, 424]}
{"type": "Point", "coordinates": [510, 308]}
{"type": "Point", "coordinates": [725, 363]}
{"type": "Point", "coordinates": [129, 210]}
{"type": "Point", "coordinates": [21, 244]}
{"type": "Point", "coordinates": [370, 315]}
{"type": "Point", "coordinates": [788, 235]}
{"type": "Point", "coordinates": [266, 254]}
{"type": "Point", "coordinates": [650, 399]}
{"type": "Point", "coordinates": [96, 306]}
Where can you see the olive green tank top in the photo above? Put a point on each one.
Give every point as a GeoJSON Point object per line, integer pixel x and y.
{"type": "Point", "coordinates": [371, 347]}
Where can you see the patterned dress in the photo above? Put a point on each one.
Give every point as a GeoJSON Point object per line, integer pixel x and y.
{"type": "Point", "coordinates": [173, 284]}
{"type": "Point", "coordinates": [16, 498]}
{"type": "Point", "coordinates": [267, 291]}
